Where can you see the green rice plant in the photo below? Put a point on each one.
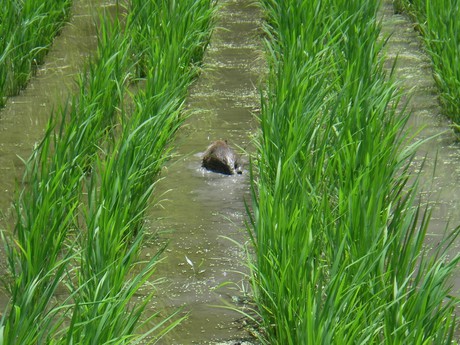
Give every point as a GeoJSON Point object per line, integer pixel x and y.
{"type": "Point", "coordinates": [110, 249]}
{"type": "Point", "coordinates": [51, 197]}
{"type": "Point", "coordinates": [8, 22]}
{"type": "Point", "coordinates": [159, 24]}
{"type": "Point", "coordinates": [103, 83]}
{"type": "Point", "coordinates": [37, 256]}
{"type": "Point", "coordinates": [119, 197]}
{"type": "Point", "coordinates": [337, 234]}
{"type": "Point", "coordinates": [443, 42]}
{"type": "Point", "coordinates": [113, 219]}
{"type": "Point", "coordinates": [27, 29]}
{"type": "Point", "coordinates": [45, 213]}
{"type": "Point", "coordinates": [407, 6]}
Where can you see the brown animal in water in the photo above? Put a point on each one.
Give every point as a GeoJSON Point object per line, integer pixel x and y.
{"type": "Point", "coordinates": [219, 157]}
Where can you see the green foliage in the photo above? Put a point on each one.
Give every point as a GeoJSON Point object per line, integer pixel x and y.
{"type": "Point", "coordinates": [166, 22]}
{"type": "Point", "coordinates": [338, 236]}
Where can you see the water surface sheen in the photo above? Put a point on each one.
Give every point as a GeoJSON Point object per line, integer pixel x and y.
{"type": "Point", "coordinates": [440, 174]}
{"type": "Point", "coordinates": [202, 208]}
{"type": "Point", "coordinates": [24, 118]}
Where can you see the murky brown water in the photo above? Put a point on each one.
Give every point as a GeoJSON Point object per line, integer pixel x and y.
{"type": "Point", "coordinates": [440, 178]}
{"type": "Point", "coordinates": [24, 118]}
{"type": "Point", "coordinates": [222, 101]}
{"type": "Point", "coordinates": [203, 208]}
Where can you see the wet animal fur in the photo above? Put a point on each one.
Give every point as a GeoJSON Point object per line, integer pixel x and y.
{"type": "Point", "coordinates": [221, 158]}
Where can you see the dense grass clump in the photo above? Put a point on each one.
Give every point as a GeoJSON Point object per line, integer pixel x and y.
{"type": "Point", "coordinates": [27, 29]}
{"type": "Point", "coordinates": [79, 215]}
{"type": "Point", "coordinates": [337, 232]}
{"type": "Point", "coordinates": [438, 23]}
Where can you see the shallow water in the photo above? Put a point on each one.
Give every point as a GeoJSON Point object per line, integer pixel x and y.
{"type": "Point", "coordinates": [440, 175]}
{"type": "Point", "coordinates": [24, 118]}
{"type": "Point", "coordinates": [204, 209]}
{"type": "Point", "coordinates": [203, 206]}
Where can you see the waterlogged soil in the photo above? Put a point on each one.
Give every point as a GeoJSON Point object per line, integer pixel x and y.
{"type": "Point", "coordinates": [437, 159]}
{"type": "Point", "coordinates": [205, 209]}
{"type": "Point", "coordinates": [24, 118]}
{"type": "Point", "coordinates": [203, 213]}
{"type": "Point", "coordinates": [200, 215]}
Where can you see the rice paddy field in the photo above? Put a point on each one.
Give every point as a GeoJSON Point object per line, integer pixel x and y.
{"type": "Point", "coordinates": [337, 224]}
{"type": "Point", "coordinates": [343, 228]}
{"type": "Point", "coordinates": [27, 31]}
{"type": "Point", "coordinates": [440, 30]}
{"type": "Point", "coordinates": [78, 213]}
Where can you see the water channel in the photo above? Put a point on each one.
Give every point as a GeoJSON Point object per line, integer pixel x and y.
{"type": "Point", "coordinates": [440, 173]}
{"type": "Point", "coordinates": [197, 212]}
{"type": "Point", "coordinates": [24, 118]}
{"type": "Point", "coordinates": [204, 210]}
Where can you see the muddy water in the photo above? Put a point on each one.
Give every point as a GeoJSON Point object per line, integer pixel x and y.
{"type": "Point", "coordinates": [204, 208]}
{"type": "Point", "coordinates": [24, 118]}
{"type": "Point", "coordinates": [440, 177]}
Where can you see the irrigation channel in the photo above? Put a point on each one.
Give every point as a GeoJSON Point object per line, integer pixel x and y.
{"type": "Point", "coordinates": [440, 171]}
{"type": "Point", "coordinates": [204, 208]}
{"type": "Point", "coordinates": [201, 211]}
{"type": "Point", "coordinates": [24, 118]}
